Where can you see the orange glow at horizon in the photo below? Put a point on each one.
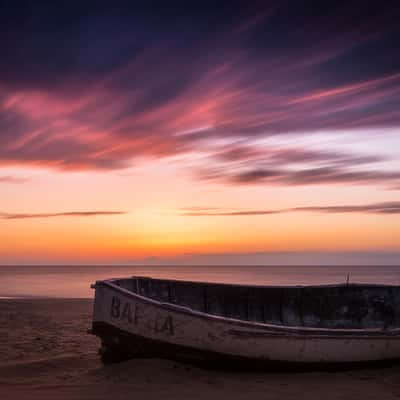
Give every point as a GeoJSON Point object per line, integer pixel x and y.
{"type": "Point", "coordinates": [153, 227]}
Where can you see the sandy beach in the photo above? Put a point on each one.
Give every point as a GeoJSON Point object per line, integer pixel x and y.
{"type": "Point", "coordinates": [45, 353]}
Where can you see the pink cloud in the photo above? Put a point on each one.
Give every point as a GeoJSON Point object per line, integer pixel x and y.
{"type": "Point", "coordinates": [155, 106]}
{"type": "Point", "coordinates": [12, 179]}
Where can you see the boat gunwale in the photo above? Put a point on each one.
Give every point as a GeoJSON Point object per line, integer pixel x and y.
{"type": "Point", "coordinates": [271, 330]}
{"type": "Point", "coordinates": [323, 285]}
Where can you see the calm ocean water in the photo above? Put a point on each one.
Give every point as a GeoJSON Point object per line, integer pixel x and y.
{"type": "Point", "coordinates": [74, 281]}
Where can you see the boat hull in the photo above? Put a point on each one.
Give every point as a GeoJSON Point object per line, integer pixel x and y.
{"type": "Point", "coordinates": [131, 325]}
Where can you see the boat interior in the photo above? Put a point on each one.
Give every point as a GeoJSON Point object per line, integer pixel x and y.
{"type": "Point", "coordinates": [346, 306]}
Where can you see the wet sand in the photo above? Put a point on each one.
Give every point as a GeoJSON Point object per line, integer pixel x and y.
{"type": "Point", "coordinates": [46, 354]}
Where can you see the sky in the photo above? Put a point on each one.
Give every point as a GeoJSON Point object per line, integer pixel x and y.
{"type": "Point", "coordinates": [212, 132]}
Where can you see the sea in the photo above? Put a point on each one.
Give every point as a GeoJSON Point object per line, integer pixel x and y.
{"type": "Point", "coordinates": [74, 281]}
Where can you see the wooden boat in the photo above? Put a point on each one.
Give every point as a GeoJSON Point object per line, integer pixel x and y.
{"type": "Point", "coordinates": [220, 324]}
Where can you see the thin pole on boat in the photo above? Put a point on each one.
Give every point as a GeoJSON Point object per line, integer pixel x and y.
{"type": "Point", "coordinates": [348, 279]}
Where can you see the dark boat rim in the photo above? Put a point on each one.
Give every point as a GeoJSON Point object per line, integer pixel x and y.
{"type": "Point", "coordinates": [325, 285]}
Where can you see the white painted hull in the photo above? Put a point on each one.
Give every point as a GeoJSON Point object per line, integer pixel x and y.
{"type": "Point", "coordinates": [178, 326]}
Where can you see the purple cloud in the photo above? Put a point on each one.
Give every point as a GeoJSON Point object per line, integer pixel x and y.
{"type": "Point", "coordinates": [320, 175]}
{"type": "Point", "coordinates": [374, 208]}
{"type": "Point", "coordinates": [116, 91]}
{"type": "Point", "coordinates": [289, 155]}
{"type": "Point", "coordinates": [60, 214]}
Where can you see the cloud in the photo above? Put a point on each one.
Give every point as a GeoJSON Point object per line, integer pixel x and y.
{"type": "Point", "coordinates": [251, 163]}
{"type": "Point", "coordinates": [377, 208]}
{"type": "Point", "coordinates": [12, 179]}
{"type": "Point", "coordinates": [322, 175]}
{"type": "Point", "coordinates": [60, 214]}
{"type": "Point", "coordinates": [290, 155]}
{"type": "Point", "coordinates": [374, 208]}
{"type": "Point", "coordinates": [117, 91]}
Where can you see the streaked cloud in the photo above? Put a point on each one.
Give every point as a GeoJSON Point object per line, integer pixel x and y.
{"type": "Point", "coordinates": [12, 179]}
{"type": "Point", "coordinates": [60, 214]}
{"type": "Point", "coordinates": [240, 164]}
{"type": "Point", "coordinates": [321, 175]}
{"type": "Point", "coordinates": [375, 208]}
{"type": "Point", "coordinates": [116, 91]}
